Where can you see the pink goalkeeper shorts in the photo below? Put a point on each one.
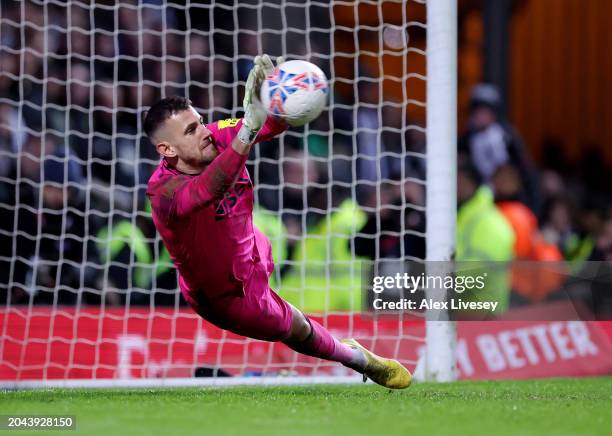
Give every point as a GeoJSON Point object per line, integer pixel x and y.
{"type": "Point", "coordinates": [258, 312]}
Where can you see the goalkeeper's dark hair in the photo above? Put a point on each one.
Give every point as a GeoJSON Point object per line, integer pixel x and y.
{"type": "Point", "coordinates": [161, 111]}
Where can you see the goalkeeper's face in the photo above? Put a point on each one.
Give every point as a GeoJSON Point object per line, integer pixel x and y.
{"type": "Point", "coordinates": [185, 142]}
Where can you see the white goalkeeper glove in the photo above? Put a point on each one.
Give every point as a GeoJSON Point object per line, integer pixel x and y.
{"type": "Point", "coordinates": [266, 64]}
{"type": "Point", "coordinates": [254, 113]}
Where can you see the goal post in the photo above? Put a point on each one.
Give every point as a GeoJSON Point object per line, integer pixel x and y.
{"type": "Point", "coordinates": [441, 173]}
{"type": "Point", "coordinates": [88, 295]}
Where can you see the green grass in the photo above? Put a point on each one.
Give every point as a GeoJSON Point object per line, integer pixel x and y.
{"type": "Point", "coordinates": [559, 406]}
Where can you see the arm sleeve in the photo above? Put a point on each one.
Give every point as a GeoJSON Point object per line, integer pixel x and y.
{"type": "Point", "coordinates": [271, 128]}
{"type": "Point", "coordinates": [225, 131]}
{"type": "Point", "coordinates": [209, 186]}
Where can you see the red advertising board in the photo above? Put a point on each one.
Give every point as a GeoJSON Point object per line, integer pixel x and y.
{"type": "Point", "coordinates": [112, 343]}
{"type": "Point", "coordinates": [528, 349]}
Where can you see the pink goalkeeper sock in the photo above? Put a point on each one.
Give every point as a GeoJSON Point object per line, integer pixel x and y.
{"type": "Point", "coordinates": [323, 345]}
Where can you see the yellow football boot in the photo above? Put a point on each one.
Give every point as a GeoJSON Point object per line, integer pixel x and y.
{"type": "Point", "coordinates": [386, 372]}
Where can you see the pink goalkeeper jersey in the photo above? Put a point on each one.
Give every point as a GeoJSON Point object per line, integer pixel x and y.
{"type": "Point", "coordinates": [214, 246]}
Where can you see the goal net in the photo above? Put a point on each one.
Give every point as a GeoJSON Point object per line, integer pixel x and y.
{"type": "Point", "coordinates": [88, 293]}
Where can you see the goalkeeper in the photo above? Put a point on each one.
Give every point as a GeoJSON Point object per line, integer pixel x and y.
{"type": "Point", "coordinates": [202, 203]}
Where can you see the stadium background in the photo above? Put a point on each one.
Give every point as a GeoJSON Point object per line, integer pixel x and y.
{"type": "Point", "coordinates": [80, 126]}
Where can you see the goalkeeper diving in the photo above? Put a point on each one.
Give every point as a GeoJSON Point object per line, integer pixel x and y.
{"type": "Point", "coordinates": [202, 204]}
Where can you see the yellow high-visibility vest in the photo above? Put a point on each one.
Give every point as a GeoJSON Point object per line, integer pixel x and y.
{"type": "Point", "coordinates": [326, 275]}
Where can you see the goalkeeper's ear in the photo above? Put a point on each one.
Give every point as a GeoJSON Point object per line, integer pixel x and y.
{"type": "Point", "coordinates": [165, 149]}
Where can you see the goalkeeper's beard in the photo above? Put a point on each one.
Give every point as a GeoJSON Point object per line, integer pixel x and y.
{"type": "Point", "coordinates": [196, 163]}
{"type": "Point", "coordinates": [209, 153]}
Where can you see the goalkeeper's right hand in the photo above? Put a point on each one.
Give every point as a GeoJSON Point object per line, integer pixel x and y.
{"type": "Point", "coordinates": [254, 113]}
{"type": "Point", "coordinates": [266, 63]}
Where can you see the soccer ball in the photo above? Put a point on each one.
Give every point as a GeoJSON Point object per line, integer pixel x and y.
{"type": "Point", "coordinates": [296, 91]}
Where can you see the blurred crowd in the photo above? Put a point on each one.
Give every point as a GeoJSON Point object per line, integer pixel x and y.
{"type": "Point", "coordinates": [75, 227]}
{"type": "Point", "coordinates": [510, 210]}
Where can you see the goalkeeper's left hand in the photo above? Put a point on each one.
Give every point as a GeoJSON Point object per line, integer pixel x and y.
{"type": "Point", "coordinates": [254, 113]}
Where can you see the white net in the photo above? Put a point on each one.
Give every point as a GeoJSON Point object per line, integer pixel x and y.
{"type": "Point", "coordinates": [86, 287]}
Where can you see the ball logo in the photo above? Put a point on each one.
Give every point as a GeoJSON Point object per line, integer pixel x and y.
{"type": "Point", "coordinates": [282, 84]}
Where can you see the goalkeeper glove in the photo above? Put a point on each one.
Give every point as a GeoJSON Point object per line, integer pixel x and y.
{"type": "Point", "coordinates": [254, 113]}
{"type": "Point", "coordinates": [266, 63]}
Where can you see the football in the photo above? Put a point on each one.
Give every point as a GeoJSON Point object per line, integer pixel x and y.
{"type": "Point", "coordinates": [296, 91]}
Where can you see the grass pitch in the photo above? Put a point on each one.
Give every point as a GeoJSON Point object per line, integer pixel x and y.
{"type": "Point", "coordinates": [559, 406]}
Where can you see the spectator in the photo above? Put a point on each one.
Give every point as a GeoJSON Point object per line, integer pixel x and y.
{"type": "Point", "coordinates": [395, 229]}
{"type": "Point", "coordinates": [598, 272]}
{"type": "Point", "coordinates": [124, 252]}
{"type": "Point", "coordinates": [372, 164]}
{"type": "Point", "coordinates": [483, 235]}
{"type": "Point", "coordinates": [324, 274]}
{"type": "Point", "coordinates": [491, 142]}
{"type": "Point", "coordinates": [9, 83]}
{"type": "Point", "coordinates": [198, 70]}
{"type": "Point", "coordinates": [13, 140]}
{"type": "Point", "coordinates": [573, 232]}
{"type": "Point", "coordinates": [603, 245]}
{"type": "Point", "coordinates": [79, 102]}
{"type": "Point", "coordinates": [530, 279]}
{"type": "Point", "coordinates": [59, 266]}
